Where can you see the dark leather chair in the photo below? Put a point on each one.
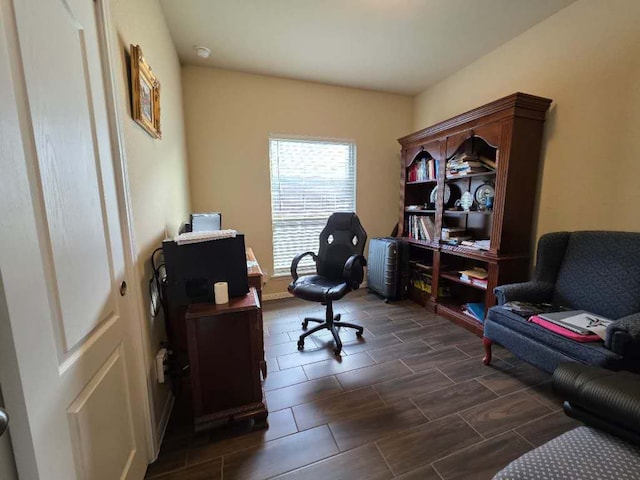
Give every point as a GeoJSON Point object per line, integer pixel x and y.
{"type": "Point", "coordinates": [340, 269]}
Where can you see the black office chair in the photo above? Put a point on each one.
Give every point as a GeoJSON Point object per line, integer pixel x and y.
{"type": "Point", "coordinates": [340, 269]}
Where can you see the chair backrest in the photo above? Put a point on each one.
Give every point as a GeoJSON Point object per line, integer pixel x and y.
{"type": "Point", "coordinates": [600, 273]}
{"type": "Point", "coordinates": [342, 237]}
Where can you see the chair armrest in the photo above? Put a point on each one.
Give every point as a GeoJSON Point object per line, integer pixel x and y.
{"type": "Point", "coordinates": [603, 398]}
{"type": "Point", "coordinates": [296, 260]}
{"type": "Point", "coordinates": [353, 271]}
{"type": "Point", "coordinates": [623, 336]}
{"type": "Point", "coordinates": [533, 292]}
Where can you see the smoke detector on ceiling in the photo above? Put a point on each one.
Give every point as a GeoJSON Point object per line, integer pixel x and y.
{"type": "Point", "coordinates": [202, 52]}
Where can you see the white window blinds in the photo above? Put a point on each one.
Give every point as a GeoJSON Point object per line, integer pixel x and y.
{"type": "Point", "coordinates": [310, 180]}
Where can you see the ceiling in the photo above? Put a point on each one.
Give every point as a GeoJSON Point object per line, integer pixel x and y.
{"type": "Point", "coordinates": [400, 46]}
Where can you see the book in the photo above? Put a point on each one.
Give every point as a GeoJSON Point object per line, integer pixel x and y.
{"type": "Point", "coordinates": [528, 309]}
{"type": "Point", "coordinates": [481, 283]}
{"type": "Point", "coordinates": [470, 314]}
{"type": "Point", "coordinates": [428, 227]}
{"type": "Point", "coordinates": [450, 232]}
{"type": "Point", "coordinates": [432, 169]}
{"type": "Point", "coordinates": [475, 272]}
{"type": "Point", "coordinates": [431, 225]}
{"type": "Point", "coordinates": [579, 321]}
{"type": "Point", "coordinates": [456, 240]}
{"type": "Point", "coordinates": [476, 309]}
{"type": "Point", "coordinates": [488, 162]}
{"type": "Point", "coordinates": [483, 244]}
{"type": "Point", "coordinates": [591, 337]}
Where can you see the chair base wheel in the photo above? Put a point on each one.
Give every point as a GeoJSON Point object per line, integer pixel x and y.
{"type": "Point", "coordinates": [358, 334]}
{"type": "Point", "coordinates": [337, 351]}
{"type": "Point", "coordinates": [305, 324]}
{"type": "Point", "coordinates": [300, 345]}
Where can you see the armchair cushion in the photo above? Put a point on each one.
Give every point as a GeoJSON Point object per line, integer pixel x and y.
{"type": "Point", "coordinates": [525, 339]}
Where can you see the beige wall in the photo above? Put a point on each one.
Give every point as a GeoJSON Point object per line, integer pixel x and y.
{"type": "Point", "coordinates": [587, 59]}
{"type": "Point", "coordinates": [157, 169]}
{"type": "Point", "coordinates": [229, 116]}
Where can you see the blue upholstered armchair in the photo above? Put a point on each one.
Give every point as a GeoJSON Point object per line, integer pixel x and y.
{"type": "Point", "coordinates": [594, 271]}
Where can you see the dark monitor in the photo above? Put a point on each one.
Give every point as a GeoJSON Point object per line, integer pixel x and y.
{"type": "Point", "coordinates": [206, 222]}
{"type": "Point", "coordinates": [192, 269]}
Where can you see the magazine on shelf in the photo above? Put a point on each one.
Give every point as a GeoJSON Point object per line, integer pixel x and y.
{"type": "Point", "coordinates": [475, 310]}
{"type": "Point", "coordinates": [579, 321]}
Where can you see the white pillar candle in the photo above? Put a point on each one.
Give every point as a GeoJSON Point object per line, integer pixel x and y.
{"type": "Point", "coordinates": [221, 292]}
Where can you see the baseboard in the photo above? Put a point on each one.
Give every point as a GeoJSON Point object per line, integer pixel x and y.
{"type": "Point", "coordinates": [276, 296]}
{"type": "Point", "coordinates": [162, 426]}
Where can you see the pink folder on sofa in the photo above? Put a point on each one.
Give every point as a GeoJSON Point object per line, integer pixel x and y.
{"type": "Point", "coordinates": [563, 331]}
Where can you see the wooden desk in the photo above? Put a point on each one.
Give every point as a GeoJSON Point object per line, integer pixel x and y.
{"type": "Point", "coordinates": [256, 280]}
{"type": "Point", "coordinates": [255, 273]}
{"type": "Point", "coordinates": [225, 356]}
{"type": "Point", "coordinates": [175, 318]}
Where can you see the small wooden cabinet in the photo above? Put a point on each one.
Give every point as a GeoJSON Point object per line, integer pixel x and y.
{"type": "Point", "coordinates": [499, 145]}
{"type": "Point", "coordinates": [226, 360]}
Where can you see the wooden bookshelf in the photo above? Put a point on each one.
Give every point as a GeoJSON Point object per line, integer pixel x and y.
{"type": "Point", "coordinates": [499, 146]}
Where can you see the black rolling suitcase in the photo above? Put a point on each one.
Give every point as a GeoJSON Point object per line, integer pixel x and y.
{"type": "Point", "coordinates": [387, 267]}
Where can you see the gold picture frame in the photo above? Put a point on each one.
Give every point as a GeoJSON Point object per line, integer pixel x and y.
{"type": "Point", "coordinates": [145, 89]}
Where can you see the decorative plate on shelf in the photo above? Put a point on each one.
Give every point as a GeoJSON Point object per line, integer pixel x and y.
{"type": "Point", "coordinates": [466, 201]}
{"type": "Point", "coordinates": [482, 192]}
{"type": "Point", "coordinates": [434, 194]}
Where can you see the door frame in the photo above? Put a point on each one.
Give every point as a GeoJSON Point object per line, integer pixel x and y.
{"type": "Point", "coordinates": [107, 39]}
{"type": "Point", "coordinates": [19, 146]}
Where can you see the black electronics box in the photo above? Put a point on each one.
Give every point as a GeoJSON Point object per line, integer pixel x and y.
{"type": "Point", "coordinates": [192, 269]}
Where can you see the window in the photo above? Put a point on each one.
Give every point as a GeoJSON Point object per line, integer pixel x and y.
{"type": "Point", "coordinates": [310, 180]}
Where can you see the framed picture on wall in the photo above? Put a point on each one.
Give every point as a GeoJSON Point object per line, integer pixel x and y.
{"type": "Point", "coordinates": [145, 91]}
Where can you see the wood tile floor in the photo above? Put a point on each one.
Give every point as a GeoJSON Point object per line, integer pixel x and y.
{"type": "Point", "coordinates": [411, 400]}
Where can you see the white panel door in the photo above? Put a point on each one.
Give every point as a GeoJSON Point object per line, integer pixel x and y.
{"type": "Point", "coordinates": [62, 259]}
{"type": "Point", "coordinates": [7, 463]}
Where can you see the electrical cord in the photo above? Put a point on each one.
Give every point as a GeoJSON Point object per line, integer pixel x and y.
{"type": "Point", "coordinates": [158, 276]}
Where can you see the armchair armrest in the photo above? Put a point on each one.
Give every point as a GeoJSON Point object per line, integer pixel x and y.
{"type": "Point", "coordinates": [603, 398]}
{"type": "Point", "coordinates": [353, 271]}
{"type": "Point", "coordinates": [533, 292]}
{"type": "Point", "coordinates": [623, 336]}
{"type": "Point", "coordinates": [296, 260]}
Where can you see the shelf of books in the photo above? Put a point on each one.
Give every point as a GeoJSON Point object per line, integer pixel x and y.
{"type": "Point", "coordinates": [421, 280]}
{"type": "Point", "coordinates": [421, 227]}
{"type": "Point", "coordinates": [467, 279]}
{"type": "Point", "coordinates": [423, 169]}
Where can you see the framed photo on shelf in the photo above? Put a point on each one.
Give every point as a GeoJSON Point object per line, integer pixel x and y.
{"type": "Point", "coordinates": [145, 94]}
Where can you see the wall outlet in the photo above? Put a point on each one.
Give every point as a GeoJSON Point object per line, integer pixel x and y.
{"type": "Point", "coordinates": [161, 358]}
